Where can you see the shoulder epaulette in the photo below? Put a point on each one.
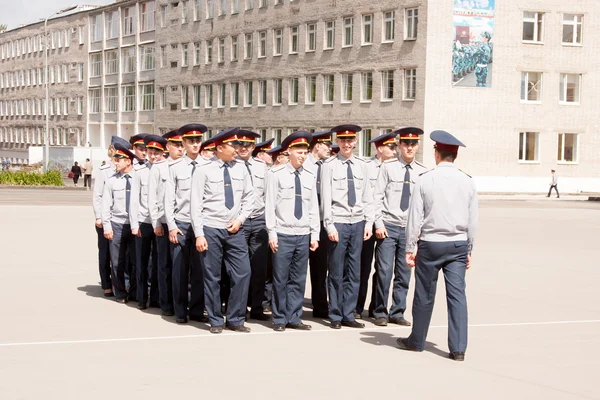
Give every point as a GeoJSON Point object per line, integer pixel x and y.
{"type": "Point", "coordinates": [258, 160]}
{"type": "Point", "coordinates": [160, 161]}
{"type": "Point", "coordinates": [423, 173]}
{"type": "Point", "coordinates": [361, 159]}
{"type": "Point", "coordinates": [418, 163]}
{"type": "Point", "coordinates": [464, 173]}
{"type": "Point", "coordinates": [308, 171]}
{"type": "Point", "coordinates": [391, 160]}
{"type": "Point", "coordinates": [277, 168]}
{"type": "Point", "coordinates": [175, 162]}
{"type": "Point", "coordinates": [105, 166]}
{"type": "Point", "coordinates": [138, 167]}
{"type": "Point", "coordinates": [330, 159]}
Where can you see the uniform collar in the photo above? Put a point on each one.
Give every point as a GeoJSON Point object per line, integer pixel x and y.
{"type": "Point", "coordinates": [291, 169]}
{"type": "Point", "coordinates": [344, 159]}
{"type": "Point", "coordinates": [376, 161]}
{"type": "Point", "coordinates": [250, 160]}
{"type": "Point", "coordinates": [404, 163]}
{"type": "Point", "coordinates": [189, 160]}
{"type": "Point", "coordinates": [446, 164]}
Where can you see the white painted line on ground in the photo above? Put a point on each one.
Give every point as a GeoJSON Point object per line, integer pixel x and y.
{"type": "Point", "coordinates": [231, 334]}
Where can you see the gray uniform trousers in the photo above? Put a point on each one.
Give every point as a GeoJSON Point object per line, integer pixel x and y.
{"type": "Point", "coordinates": [122, 247]}
{"type": "Point", "coordinates": [451, 258]}
{"type": "Point", "coordinates": [255, 231]}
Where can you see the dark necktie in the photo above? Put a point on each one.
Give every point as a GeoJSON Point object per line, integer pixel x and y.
{"type": "Point", "coordinates": [405, 189]}
{"type": "Point", "coordinates": [351, 190]}
{"type": "Point", "coordinates": [319, 163]}
{"type": "Point", "coordinates": [298, 197]}
{"type": "Point", "coordinates": [249, 171]}
{"type": "Point", "coordinates": [228, 188]}
{"type": "Point", "coordinates": [127, 192]}
{"type": "Point", "coordinates": [194, 163]}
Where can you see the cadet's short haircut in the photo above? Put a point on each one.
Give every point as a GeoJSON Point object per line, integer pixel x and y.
{"type": "Point", "coordinates": [448, 155]}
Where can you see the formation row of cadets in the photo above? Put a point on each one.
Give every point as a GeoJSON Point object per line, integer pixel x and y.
{"type": "Point", "coordinates": [330, 205]}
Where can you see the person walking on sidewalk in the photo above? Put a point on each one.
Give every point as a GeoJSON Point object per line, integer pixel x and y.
{"type": "Point", "coordinates": [87, 173]}
{"type": "Point", "coordinates": [75, 172]}
{"type": "Point", "coordinates": [554, 185]}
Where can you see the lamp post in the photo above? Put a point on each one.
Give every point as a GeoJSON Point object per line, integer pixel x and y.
{"type": "Point", "coordinates": [47, 134]}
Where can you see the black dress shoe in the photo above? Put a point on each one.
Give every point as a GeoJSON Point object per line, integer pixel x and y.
{"type": "Point", "coordinates": [400, 321]}
{"type": "Point", "coordinates": [239, 328]}
{"type": "Point", "coordinates": [320, 314]}
{"type": "Point", "coordinates": [279, 327]}
{"type": "Point", "coordinates": [181, 320]}
{"type": "Point", "coordinates": [403, 344]}
{"type": "Point", "coordinates": [457, 356]}
{"type": "Point", "coordinates": [123, 300]}
{"type": "Point", "coordinates": [267, 309]}
{"type": "Point", "coordinates": [216, 329]}
{"type": "Point", "coordinates": [353, 324]}
{"type": "Point", "coordinates": [371, 314]}
{"type": "Point", "coordinates": [357, 315]}
{"type": "Point", "coordinates": [167, 313]}
{"type": "Point", "coordinates": [199, 318]}
{"type": "Point", "coordinates": [109, 294]}
{"type": "Point", "coordinates": [336, 325]}
{"type": "Point", "coordinates": [301, 326]}
{"type": "Point", "coordinates": [260, 316]}
{"type": "Point", "coordinates": [381, 321]}
{"type": "Point", "coordinates": [154, 304]}
{"type": "Point", "coordinates": [142, 306]}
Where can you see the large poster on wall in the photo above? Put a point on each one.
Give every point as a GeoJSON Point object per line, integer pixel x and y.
{"type": "Point", "coordinates": [473, 49]}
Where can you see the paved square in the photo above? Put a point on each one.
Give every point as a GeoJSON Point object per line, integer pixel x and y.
{"type": "Point", "coordinates": [533, 304]}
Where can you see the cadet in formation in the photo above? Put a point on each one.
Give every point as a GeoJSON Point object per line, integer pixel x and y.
{"type": "Point", "coordinates": [441, 228]}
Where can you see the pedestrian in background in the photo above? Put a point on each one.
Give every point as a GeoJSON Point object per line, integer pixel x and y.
{"type": "Point", "coordinates": [76, 171]}
{"type": "Point", "coordinates": [88, 167]}
{"type": "Point", "coordinates": [553, 184]}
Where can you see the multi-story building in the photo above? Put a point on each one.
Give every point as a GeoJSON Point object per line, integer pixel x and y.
{"type": "Point", "coordinates": [23, 90]}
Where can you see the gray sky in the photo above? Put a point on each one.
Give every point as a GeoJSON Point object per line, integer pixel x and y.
{"type": "Point", "coordinates": [15, 13]}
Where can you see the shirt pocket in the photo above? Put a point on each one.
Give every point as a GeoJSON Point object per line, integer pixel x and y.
{"type": "Point", "coordinates": [215, 183]}
{"type": "Point", "coordinates": [306, 191]}
{"type": "Point", "coordinates": [144, 187]}
{"type": "Point", "coordinates": [184, 183]}
{"type": "Point", "coordinates": [119, 194]}
{"type": "Point", "coordinates": [339, 183]}
{"type": "Point", "coordinates": [238, 184]}
{"type": "Point", "coordinates": [396, 184]}
{"type": "Point", "coordinates": [287, 190]}
{"type": "Point", "coordinates": [359, 182]}
{"type": "Point", "coordinates": [259, 182]}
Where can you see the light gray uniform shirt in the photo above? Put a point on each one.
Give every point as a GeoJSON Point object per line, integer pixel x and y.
{"type": "Point", "coordinates": [114, 200]}
{"type": "Point", "coordinates": [334, 192]}
{"type": "Point", "coordinates": [258, 175]}
{"type": "Point", "coordinates": [105, 172]}
{"type": "Point", "coordinates": [311, 164]}
{"type": "Point", "coordinates": [388, 191]}
{"type": "Point", "coordinates": [443, 208]}
{"type": "Point", "coordinates": [208, 195]}
{"type": "Point", "coordinates": [281, 201]}
{"type": "Point", "coordinates": [139, 212]}
{"type": "Point", "coordinates": [179, 189]}
{"type": "Point", "coordinates": [157, 186]}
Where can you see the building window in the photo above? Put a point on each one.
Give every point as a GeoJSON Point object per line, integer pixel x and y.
{"type": "Point", "coordinates": [111, 99]}
{"type": "Point", "coordinates": [294, 40]}
{"type": "Point", "coordinates": [410, 84]}
{"type": "Point", "coordinates": [184, 55]}
{"type": "Point", "coordinates": [293, 96]}
{"type": "Point", "coordinates": [196, 94]}
{"type": "Point", "coordinates": [163, 16]}
{"type": "Point", "coordinates": [570, 88]}
{"type": "Point", "coordinates": [528, 146]}
{"type": "Point", "coordinates": [163, 97]}
{"type": "Point", "coordinates": [111, 59]}
{"type": "Point", "coordinates": [248, 47]}
{"type": "Point", "coordinates": [248, 89]}
{"type": "Point", "coordinates": [572, 29]}
{"type": "Point", "coordinates": [235, 94]}
{"type": "Point", "coordinates": [65, 74]}
{"type": "Point", "coordinates": [128, 58]}
{"type": "Point", "coordinates": [329, 35]}
{"type": "Point", "coordinates": [197, 10]}
{"type": "Point", "coordinates": [262, 44]}
{"type": "Point", "coordinates": [234, 48]}
{"type": "Point", "coordinates": [262, 93]}
{"type": "Point", "coordinates": [163, 56]}
{"type": "Point", "coordinates": [128, 21]}
{"type": "Point", "coordinates": [262, 4]}
{"type": "Point", "coordinates": [531, 87]}
{"type": "Point", "coordinates": [411, 22]}
{"type": "Point", "coordinates": [147, 11]}
{"type": "Point", "coordinates": [311, 89]}
{"type": "Point", "coordinates": [147, 58]}
{"type": "Point", "coordinates": [185, 98]}
{"type": "Point", "coordinates": [366, 87]}
{"type": "Point", "coordinates": [210, 9]}
{"type": "Point", "coordinates": [80, 104]}
{"type": "Point", "coordinates": [184, 12]}
{"type": "Point", "coordinates": [277, 42]}
{"type": "Point", "coordinates": [128, 98]}
{"type": "Point", "coordinates": [95, 29]}
{"type": "Point", "coordinates": [348, 31]}
{"type": "Point", "coordinates": [223, 7]}
{"type": "Point", "coordinates": [249, 4]}
{"type": "Point", "coordinates": [94, 101]}
{"type": "Point", "coordinates": [112, 24]}
{"type": "Point", "coordinates": [328, 88]}
{"type": "Point", "coordinates": [147, 92]}
{"type": "Point", "coordinates": [221, 51]}
{"type": "Point", "coordinates": [95, 66]}
{"type": "Point", "coordinates": [235, 6]}
{"type": "Point", "coordinates": [389, 26]}
{"type": "Point", "coordinates": [365, 149]}
{"type": "Point", "coordinates": [567, 147]}
{"type": "Point", "coordinates": [277, 92]}
{"type": "Point", "coordinates": [367, 29]}
{"type": "Point", "coordinates": [208, 96]}
{"type": "Point", "coordinates": [209, 51]}
{"type": "Point", "coordinates": [533, 26]}
{"type": "Point", "coordinates": [277, 136]}
{"type": "Point", "coordinates": [222, 94]}
{"type": "Point", "coordinates": [311, 37]}
{"type": "Point", "coordinates": [387, 85]}
{"type": "Point", "coordinates": [347, 88]}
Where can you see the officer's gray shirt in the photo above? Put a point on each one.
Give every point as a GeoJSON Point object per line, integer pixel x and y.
{"type": "Point", "coordinates": [178, 192]}
{"type": "Point", "coordinates": [281, 200]}
{"type": "Point", "coordinates": [310, 164]}
{"type": "Point", "coordinates": [259, 174]}
{"type": "Point", "coordinates": [334, 193]}
{"type": "Point", "coordinates": [443, 208]}
{"type": "Point", "coordinates": [388, 191]}
{"type": "Point", "coordinates": [139, 212]}
{"type": "Point", "coordinates": [554, 179]}
{"type": "Point", "coordinates": [208, 195]}
{"type": "Point", "coordinates": [114, 200]}
{"type": "Point", "coordinates": [157, 185]}
{"type": "Point", "coordinates": [104, 172]}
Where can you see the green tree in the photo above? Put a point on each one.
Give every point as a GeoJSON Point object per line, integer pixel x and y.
{"type": "Point", "coordinates": [3, 28]}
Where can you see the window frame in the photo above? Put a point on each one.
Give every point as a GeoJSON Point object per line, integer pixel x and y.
{"type": "Point", "coordinates": [522, 153]}
{"type": "Point", "coordinates": [561, 148]}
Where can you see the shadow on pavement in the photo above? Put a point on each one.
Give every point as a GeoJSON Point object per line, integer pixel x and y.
{"type": "Point", "coordinates": [94, 291]}
{"type": "Point", "coordinates": [387, 339]}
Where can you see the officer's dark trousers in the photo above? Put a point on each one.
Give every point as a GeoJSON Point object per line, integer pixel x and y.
{"type": "Point", "coordinates": [391, 259]}
{"type": "Point", "coordinates": [233, 250]}
{"type": "Point", "coordinates": [104, 259]}
{"type": "Point", "coordinates": [318, 274]}
{"type": "Point", "coordinates": [255, 231]}
{"type": "Point", "coordinates": [123, 243]}
{"type": "Point", "coordinates": [269, 282]}
{"type": "Point", "coordinates": [187, 269]}
{"type": "Point", "coordinates": [555, 187]}
{"type": "Point", "coordinates": [143, 250]}
{"type": "Point", "coordinates": [451, 258]}
{"type": "Point", "coordinates": [344, 271]}
{"type": "Point", "coordinates": [289, 277]}
{"type": "Point", "coordinates": [366, 261]}
{"type": "Point", "coordinates": [165, 270]}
